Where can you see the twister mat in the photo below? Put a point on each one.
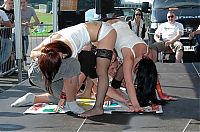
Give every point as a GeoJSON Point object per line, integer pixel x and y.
{"type": "Point", "coordinates": [115, 107]}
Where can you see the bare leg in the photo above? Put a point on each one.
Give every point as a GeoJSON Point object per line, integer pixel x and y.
{"type": "Point", "coordinates": [179, 56]}
{"type": "Point", "coordinates": [102, 67]}
{"type": "Point", "coordinates": [70, 87]}
{"type": "Point", "coordinates": [42, 98]}
{"type": "Point", "coordinates": [88, 89]}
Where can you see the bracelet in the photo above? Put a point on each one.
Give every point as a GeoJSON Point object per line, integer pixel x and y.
{"type": "Point", "coordinates": [62, 95]}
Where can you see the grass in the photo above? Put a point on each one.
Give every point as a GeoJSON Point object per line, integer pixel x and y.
{"type": "Point", "coordinates": [46, 18]}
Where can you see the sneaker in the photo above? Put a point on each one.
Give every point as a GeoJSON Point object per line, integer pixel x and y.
{"type": "Point", "coordinates": [26, 100]}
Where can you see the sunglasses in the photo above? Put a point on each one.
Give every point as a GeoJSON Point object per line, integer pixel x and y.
{"type": "Point", "coordinates": [138, 14]}
{"type": "Point", "coordinates": [170, 17]}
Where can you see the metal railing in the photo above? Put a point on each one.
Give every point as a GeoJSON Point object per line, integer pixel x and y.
{"type": "Point", "coordinates": [7, 54]}
{"type": "Point", "coordinates": [37, 35]}
{"type": "Point", "coordinates": [8, 62]}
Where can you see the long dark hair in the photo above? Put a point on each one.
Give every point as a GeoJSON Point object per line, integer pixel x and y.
{"type": "Point", "coordinates": [146, 81]}
{"type": "Point", "coordinates": [50, 61]}
{"type": "Point", "coordinates": [140, 13]}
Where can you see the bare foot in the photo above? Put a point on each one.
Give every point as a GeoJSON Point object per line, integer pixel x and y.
{"type": "Point", "coordinates": [92, 112]}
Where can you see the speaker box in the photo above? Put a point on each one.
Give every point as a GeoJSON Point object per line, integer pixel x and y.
{"type": "Point", "coordinates": [104, 6]}
{"type": "Point", "coordinates": [70, 18]}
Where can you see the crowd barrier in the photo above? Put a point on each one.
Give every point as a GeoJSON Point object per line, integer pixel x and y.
{"type": "Point", "coordinates": [37, 35]}
{"type": "Point", "coordinates": [7, 53]}
{"type": "Point", "coordinates": [8, 62]}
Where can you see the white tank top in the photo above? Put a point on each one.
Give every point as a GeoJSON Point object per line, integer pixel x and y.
{"type": "Point", "coordinates": [125, 38]}
{"type": "Point", "coordinates": [77, 35]}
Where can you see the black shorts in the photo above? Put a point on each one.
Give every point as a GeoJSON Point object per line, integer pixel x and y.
{"type": "Point", "coordinates": [87, 61]}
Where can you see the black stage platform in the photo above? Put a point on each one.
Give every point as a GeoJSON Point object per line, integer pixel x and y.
{"type": "Point", "coordinates": [179, 80]}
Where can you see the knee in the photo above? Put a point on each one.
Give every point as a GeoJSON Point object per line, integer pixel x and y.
{"type": "Point", "coordinates": [179, 47]}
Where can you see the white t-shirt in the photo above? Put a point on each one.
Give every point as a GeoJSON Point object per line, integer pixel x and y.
{"type": "Point", "coordinates": [168, 30]}
{"type": "Point", "coordinates": [3, 16]}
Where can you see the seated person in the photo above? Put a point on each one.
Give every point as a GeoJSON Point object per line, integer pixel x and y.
{"type": "Point", "coordinates": [170, 32]}
{"type": "Point", "coordinates": [196, 34]}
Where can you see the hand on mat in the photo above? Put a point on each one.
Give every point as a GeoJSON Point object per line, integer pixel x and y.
{"type": "Point", "coordinates": [60, 105]}
{"type": "Point", "coordinates": [135, 109]}
{"type": "Point", "coordinates": [107, 101]}
{"type": "Point", "coordinates": [128, 103]}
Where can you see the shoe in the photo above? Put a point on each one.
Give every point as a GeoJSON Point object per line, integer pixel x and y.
{"type": "Point", "coordinates": [26, 100]}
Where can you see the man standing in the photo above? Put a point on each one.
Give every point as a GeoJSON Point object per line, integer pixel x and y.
{"type": "Point", "coordinates": [7, 58]}
{"type": "Point", "coordinates": [170, 32]}
{"type": "Point", "coordinates": [4, 19]}
{"type": "Point", "coordinates": [27, 13]}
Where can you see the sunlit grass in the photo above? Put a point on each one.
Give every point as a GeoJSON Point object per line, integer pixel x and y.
{"type": "Point", "coordinates": [46, 18]}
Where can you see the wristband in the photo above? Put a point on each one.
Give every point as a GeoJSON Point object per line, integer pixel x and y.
{"type": "Point", "coordinates": [62, 95]}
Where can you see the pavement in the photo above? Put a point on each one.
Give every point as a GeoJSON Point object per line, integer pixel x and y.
{"type": "Point", "coordinates": [179, 80]}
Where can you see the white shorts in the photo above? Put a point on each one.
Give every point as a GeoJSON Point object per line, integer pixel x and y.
{"type": "Point", "coordinates": [104, 30]}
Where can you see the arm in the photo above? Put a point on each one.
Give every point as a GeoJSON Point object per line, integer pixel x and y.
{"type": "Point", "coordinates": [156, 37]}
{"type": "Point", "coordinates": [37, 21]}
{"type": "Point", "coordinates": [157, 34]}
{"type": "Point", "coordinates": [37, 50]}
{"type": "Point", "coordinates": [192, 34]}
{"type": "Point", "coordinates": [29, 24]}
{"type": "Point", "coordinates": [177, 37]}
{"type": "Point", "coordinates": [69, 90]}
{"type": "Point", "coordinates": [6, 22]}
{"type": "Point", "coordinates": [128, 66]}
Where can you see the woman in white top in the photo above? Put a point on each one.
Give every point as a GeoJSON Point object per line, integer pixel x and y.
{"type": "Point", "coordinates": [133, 51]}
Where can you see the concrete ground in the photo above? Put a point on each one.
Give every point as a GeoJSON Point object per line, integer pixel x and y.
{"type": "Point", "coordinates": [179, 80]}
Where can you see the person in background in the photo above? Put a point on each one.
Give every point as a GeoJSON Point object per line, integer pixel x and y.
{"type": "Point", "coordinates": [27, 13]}
{"type": "Point", "coordinates": [6, 37]}
{"type": "Point", "coordinates": [137, 24]}
{"type": "Point", "coordinates": [196, 34]}
{"type": "Point", "coordinates": [4, 22]}
{"type": "Point", "coordinates": [170, 32]}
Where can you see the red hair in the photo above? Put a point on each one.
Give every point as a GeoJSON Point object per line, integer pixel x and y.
{"type": "Point", "coordinates": [50, 61]}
